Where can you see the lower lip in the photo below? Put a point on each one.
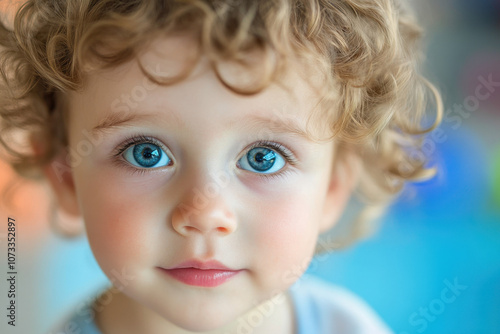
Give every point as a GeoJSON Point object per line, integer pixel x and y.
{"type": "Point", "coordinates": [201, 277]}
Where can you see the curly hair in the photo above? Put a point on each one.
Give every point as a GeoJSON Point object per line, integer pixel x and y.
{"type": "Point", "coordinates": [374, 99]}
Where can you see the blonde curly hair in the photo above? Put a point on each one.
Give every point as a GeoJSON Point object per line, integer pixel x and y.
{"type": "Point", "coordinates": [373, 98]}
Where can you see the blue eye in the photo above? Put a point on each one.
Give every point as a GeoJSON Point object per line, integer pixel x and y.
{"type": "Point", "coordinates": [146, 155]}
{"type": "Point", "coordinates": [262, 160]}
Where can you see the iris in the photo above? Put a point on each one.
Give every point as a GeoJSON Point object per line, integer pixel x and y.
{"type": "Point", "coordinates": [146, 154]}
{"type": "Point", "coordinates": [261, 158]}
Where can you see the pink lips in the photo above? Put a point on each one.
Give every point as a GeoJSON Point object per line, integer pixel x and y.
{"type": "Point", "coordinates": [206, 274]}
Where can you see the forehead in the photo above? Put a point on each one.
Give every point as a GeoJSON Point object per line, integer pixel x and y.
{"type": "Point", "coordinates": [127, 87]}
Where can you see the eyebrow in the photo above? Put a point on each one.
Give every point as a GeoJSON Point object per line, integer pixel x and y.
{"type": "Point", "coordinates": [286, 126]}
{"type": "Point", "coordinates": [124, 119]}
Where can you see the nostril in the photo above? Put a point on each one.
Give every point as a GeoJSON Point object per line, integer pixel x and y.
{"type": "Point", "coordinates": [223, 230]}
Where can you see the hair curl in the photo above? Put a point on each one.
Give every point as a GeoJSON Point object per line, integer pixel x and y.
{"type": "Point", "coordinates": [374, 99]}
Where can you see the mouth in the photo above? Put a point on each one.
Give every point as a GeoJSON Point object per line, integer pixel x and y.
{"type": "Point", "coordinates": [198, 273]}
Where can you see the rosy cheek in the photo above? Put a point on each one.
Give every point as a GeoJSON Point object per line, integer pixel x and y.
{"type": "Point", "coordinates": [286, 235]}
{"type": "Point", "coordinates": [115, 222]}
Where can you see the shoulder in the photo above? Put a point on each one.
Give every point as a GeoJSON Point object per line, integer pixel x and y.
{"type": "Point", "coordinates": [79, 321]}
{"type": "Point", "coordinates": [321, 307]}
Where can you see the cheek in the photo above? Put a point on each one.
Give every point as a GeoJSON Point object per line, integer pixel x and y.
{"type": "Point", "coordinates": [116, 220]}
{"type": "Point", "coordinates": [287, 236]}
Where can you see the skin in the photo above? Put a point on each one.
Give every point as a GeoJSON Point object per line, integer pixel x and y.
{"type": "Point", "coordinates": [137, 220]}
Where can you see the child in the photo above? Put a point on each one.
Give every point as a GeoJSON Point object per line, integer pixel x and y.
{"type": "Point", "coordinates": [208, 144]}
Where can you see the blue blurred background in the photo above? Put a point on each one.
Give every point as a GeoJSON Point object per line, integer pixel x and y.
{"type": "Point", "coordinates": [434, 265]}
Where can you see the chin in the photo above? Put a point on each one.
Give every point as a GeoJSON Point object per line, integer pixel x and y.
{"type": "Point", "coordinates": [199, 319]}
{"type": "Point", "coordinates": [192, 314]}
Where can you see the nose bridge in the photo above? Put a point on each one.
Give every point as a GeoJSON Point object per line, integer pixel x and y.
{"type": "Point", "coordinates": [204, 207]}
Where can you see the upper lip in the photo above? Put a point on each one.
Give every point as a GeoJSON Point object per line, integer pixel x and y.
{"type": "Point", "coordinates": [203, 265]}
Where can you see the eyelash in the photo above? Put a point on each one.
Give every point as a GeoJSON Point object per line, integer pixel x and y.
{"type": "Point", "coordinates": [141, 139]}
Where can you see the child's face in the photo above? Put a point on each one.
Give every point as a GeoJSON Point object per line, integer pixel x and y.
{"type": "Point", "coordinates": [197, 192]}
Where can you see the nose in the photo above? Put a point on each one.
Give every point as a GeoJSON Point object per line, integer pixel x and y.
{"type": "Point", "coordinates": [203, 214]}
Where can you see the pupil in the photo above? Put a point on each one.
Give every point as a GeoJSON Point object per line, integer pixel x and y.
{"type": "Point", "coordinates": [259, 157]}
{"type": "Point", "coordinates": [147, 153]}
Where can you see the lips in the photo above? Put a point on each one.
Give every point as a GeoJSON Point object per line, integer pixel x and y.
{"type": "Point", "coordinates": [198, 273]}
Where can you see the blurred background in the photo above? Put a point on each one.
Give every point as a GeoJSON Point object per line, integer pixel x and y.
{"type": "Point", "coordinates": [433, 266]}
